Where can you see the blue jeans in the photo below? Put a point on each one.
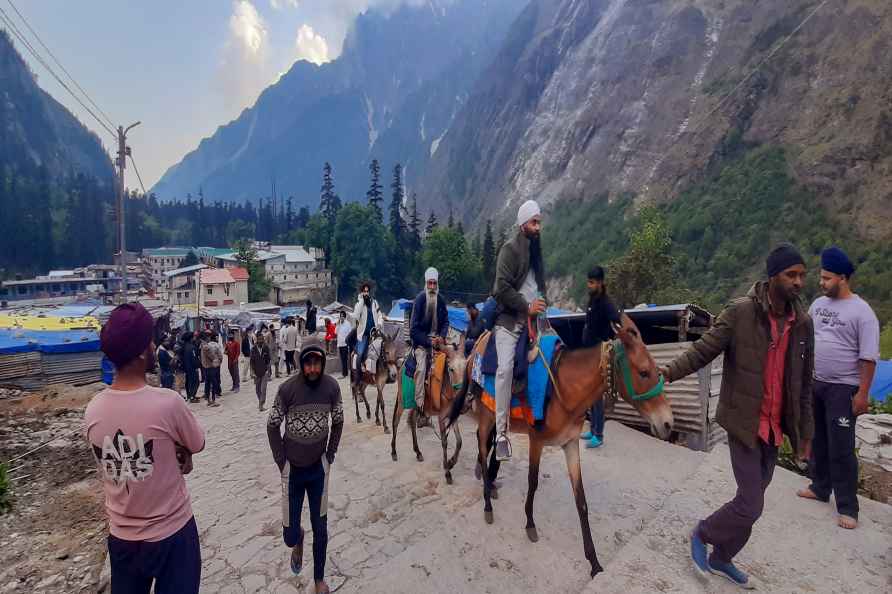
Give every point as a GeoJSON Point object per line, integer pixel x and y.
{"type": "Point", "coordinates": [173, 563]}
{"type": "Point", "coordinates": [596, 418]}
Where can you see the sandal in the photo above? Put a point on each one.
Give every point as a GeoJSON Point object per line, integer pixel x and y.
{"type": "Point", "coordinates": [297, 555]}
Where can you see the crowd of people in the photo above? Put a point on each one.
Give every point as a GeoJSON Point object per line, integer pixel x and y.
{"type": "Point", "coordinates": [789, 370]}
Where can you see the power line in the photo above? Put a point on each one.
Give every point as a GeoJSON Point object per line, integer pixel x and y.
{"type": "Point", "coordinates": [12, 27]}
{"type": "Point", "coordinates": [136, 169]}
{"type": "Point", "coordinates": [756, 68]}
{"type": "Point", "coordinates": [56, 60]}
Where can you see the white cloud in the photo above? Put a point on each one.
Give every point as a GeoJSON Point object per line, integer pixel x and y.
{"type": "Point", "coordinates": [244, 68]}
{"type": "Point", "coordinates": [280, 4]}
{"type": "Point", "coordinates": [310, 46]}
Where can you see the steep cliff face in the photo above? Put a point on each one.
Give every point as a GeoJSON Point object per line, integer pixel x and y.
{"type": "Point", "coordinates": [36, 130]}
{"type": "Point", "coordinates": [588, 97]}
{"type": "Point", "coordinates": [395, 89]}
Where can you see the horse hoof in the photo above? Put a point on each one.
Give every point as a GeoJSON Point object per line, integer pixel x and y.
{"type": "Point", "coordinates": [493, 493]}
{"type": "Point", "coordinates": [448, 478]}
{"type": "Point", "coordinates": [358, 420]}
{"type": "Point", "coordinates": [596, 569]}
{"type": "Point", "coordinates": [386, 430]}
{"type": "Point", "coordinates": [487, 515]}
{"type": "Point", "coordinates": [377, 422]}
{"type": "Point", "coordinates": [419, 457]}
{"type": "Point", "coordinates": [478, 472]}
{"type": "Point", "coordinates": [393, 456]}
{"type": "Point", "coordinates": [533, 534]}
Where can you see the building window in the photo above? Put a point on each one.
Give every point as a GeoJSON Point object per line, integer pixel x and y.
{"type": "Point", "coordinates": [210, 290]}
{"type": "Point", "coordinates": [23, 290]}
{"type": "Point", "coordinates": [226, 288]}
{"type": "Point", "coordinates": [56, 288]}
{"type": "Point", "coordinates": [179, 295]}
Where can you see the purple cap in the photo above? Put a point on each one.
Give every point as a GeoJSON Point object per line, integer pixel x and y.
{"type": "Point", "coordinates": [127, 333]}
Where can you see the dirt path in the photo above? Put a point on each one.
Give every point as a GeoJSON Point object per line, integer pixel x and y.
{"type": "Point", "coordinates": [397, 527]}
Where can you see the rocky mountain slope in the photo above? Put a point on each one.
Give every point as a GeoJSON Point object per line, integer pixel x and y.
{"type": "Point", "coordinates": [594, 97]}
{"type": "Point", "coordinates": [395, 89]}
{"type": "Point", "coordinates": [36, 130]}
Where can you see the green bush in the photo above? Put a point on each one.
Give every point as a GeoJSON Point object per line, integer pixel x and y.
{"type": "Point", "coordinates": [721, 229]}
{"type": "Point", "coordinates": [5, 490]}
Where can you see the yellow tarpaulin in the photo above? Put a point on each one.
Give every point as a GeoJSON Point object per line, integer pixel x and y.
{"type": "Point", "coordinates": [48, 322]}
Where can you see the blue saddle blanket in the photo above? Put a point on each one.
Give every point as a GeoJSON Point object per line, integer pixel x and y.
{"type": "Point", "coordinates": [538, 381]}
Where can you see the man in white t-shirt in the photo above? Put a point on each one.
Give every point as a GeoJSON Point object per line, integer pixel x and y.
{"type": "Point", "coordinates": [847, 346]}
{"type": "Point", "coordinates": [143, 439]}
{"type": "Point", "coordinates": [344, 327]}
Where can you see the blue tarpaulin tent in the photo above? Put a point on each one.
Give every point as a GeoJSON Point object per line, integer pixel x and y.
{"type": "Point", "coordinates": [458, 316]}
{"type": "Point", "coordinates": [881, 388]}
{"type": "Point", "coordinates": [66, 341]}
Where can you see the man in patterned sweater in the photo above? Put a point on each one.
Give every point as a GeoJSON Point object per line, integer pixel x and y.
{"type": "Point", "coordinates": [304, 455]}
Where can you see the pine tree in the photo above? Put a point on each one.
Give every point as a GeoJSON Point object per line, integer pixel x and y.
{"type": "Point", "coordinates": [303, 217]}
{"type": "Point", "coordinates": [289, 214]}
{"type": "Point", "coordinates": [375, 195]}
{"type": "Point", "coordinates": [396, 203]}
{"type": "Point", "coordinates": [329, 202]}
{"type": "Point", "coordinates": [431, 224]}
{"type": "Point", "coordinates": [489, 252]}
{"type": "Point", "coordinates": [414, 225]}
{"type": "Point", "coordinates": [451, 222]}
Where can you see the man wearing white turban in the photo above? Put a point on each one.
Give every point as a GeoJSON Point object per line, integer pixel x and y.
{"type": "Point", "coordinates": [518, 289]}
{"type": "Point", "coordinates": [429, 328]}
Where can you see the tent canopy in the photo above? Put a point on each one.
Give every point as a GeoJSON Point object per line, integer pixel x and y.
{"type": "Point", "coordinates": [881, 388]}
{"type": "Point", "coordinates": [64, 341]}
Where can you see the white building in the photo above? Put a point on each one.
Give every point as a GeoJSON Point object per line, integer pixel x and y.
{"type": "Point", "coordinates": [296, 273]}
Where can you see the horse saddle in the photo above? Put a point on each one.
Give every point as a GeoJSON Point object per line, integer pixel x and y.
{"type": "Point", "coordinates": [490, 362]}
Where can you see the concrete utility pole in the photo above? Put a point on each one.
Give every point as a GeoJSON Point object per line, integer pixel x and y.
{"type": "Point", "coordinates": [123, 153]}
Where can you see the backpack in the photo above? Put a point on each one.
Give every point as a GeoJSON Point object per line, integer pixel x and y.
{"type": "Point", "coordinates": [490, 313]}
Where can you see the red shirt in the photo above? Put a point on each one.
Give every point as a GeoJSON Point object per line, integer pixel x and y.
{"type": "Point", "coordinates": [773, 382]}
{"type": "Point", "coordinates": [233, 350]}
{"type": "Point", "coordinates": [330, 332]}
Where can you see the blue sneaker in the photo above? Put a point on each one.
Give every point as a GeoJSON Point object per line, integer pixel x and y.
{"type": "Point", "coordinates": [730, 572]}
{"type": "Point", "coordinates": [594, 442]}
{"type": "Point", "coordinates": [586, 435]}
{"type": "Point", "coordinates": [699, 555]}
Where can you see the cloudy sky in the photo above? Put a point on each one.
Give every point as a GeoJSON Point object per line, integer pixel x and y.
{"type": "Point", "coordinates": [181, 67]}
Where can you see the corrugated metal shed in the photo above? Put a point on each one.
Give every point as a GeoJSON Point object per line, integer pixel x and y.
{"type": "Point", "coordinates": [18, 365]}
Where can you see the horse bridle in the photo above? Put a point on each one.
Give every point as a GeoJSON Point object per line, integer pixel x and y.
{"type": "Point", "coordinates": [621, 360]}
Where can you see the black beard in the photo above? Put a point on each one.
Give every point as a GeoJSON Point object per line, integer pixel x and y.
{"type": "Point", "coordinates": [536, 254]}
{"type": "Point", "coordinates": [367, 299]}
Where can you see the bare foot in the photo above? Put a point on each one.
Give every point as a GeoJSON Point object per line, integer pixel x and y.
{"type": "Point", "coordinates": [322, 588]}
{"type": "Point", "coordinates": [807, 494]}
{"type": "Point", "coordinates": [847, 522]}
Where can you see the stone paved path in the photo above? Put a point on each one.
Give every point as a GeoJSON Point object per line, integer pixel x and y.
{"type": "Point", "coordinates": [397, 526]}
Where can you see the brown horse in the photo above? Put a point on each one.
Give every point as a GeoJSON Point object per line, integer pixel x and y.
{"type": "Point", "coordinates": [581, 378]}
{"type": "Point", "coordinates": [455, 365]}
{"type": "Point", "coordinates": [385, 373]}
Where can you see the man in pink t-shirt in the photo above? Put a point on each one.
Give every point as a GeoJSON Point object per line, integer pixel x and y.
{"type": "Point", "coordinates": [143, 439]}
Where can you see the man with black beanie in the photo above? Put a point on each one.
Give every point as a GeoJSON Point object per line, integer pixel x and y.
{"type": "Point", "coordinates": [767, 340]}
{"type": "Point", "coordinates": [847, 346]}
{"type": "Point", "coordinates": [305, 403]}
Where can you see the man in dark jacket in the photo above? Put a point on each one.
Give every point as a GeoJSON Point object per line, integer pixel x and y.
{"type": "Point", "coordinates": [475, 328]}
{"type": "Point", "coordinates": [518, 290]}
{"type": "Point", "coordinates": [305, 403]}
{"type": "Point", "coordinates": [191, 365]}
{"type": "Point", "coordinates": [260, 366]}
{"type": "Point", "coordinates": [599, 319]}
{"type": "Point", "coordinates": [429, 328]}
{"type": "Point", "coordinates": [311, 318]}
{"type": "Point", "coordinates": [767, 339]}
